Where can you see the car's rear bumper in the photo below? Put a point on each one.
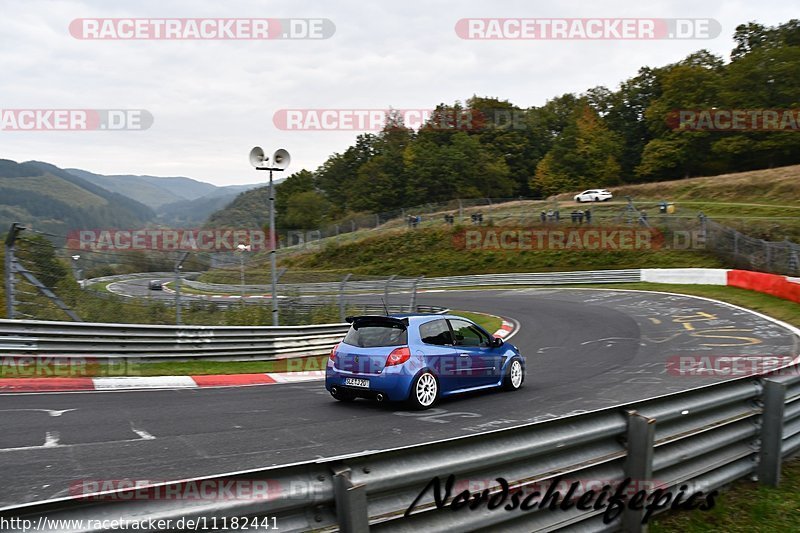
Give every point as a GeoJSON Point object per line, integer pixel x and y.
{"type": "Point", "coordinates": [395, 385]}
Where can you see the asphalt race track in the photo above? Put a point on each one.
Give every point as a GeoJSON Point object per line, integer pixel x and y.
{"type": "Point", "coordinates": [585, 350]}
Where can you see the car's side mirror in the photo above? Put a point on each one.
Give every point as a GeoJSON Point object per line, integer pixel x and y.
{"type": "Point", "coordinates": [496, 342]}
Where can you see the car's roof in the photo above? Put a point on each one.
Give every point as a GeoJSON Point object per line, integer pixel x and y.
{"type": "Point", "coordinates": [412, 315]}
{"type": "Point", "coordinates": [423, 317]}
{"type": "Point", "coordinates": [407, 317]}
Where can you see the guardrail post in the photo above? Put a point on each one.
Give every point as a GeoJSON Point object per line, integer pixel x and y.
{"type": "Point", "coordinates": [8, 271]}
{"type": "Point", "coordinates": [769, 456]}
{"type": "Point", "coordinates": [386, 292]}
{"type": "Point", "coordinates": [794, 259]}
{"type": "Point", "coordinates": [177, 270]}
{"type": "Point", "coordinates": [351, 502]}
{"type": "Point", "coordinates": [703, 228]}
{"type": "Point", "coordinates": [342, 287]}
{"type": "Point", "coordinates": [638, 464]}
{"type": "Point", "coordinates": [412, 305]}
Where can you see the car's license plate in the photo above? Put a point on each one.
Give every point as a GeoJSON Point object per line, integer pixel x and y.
{"type": "Point", "coordinates": [356, 382]}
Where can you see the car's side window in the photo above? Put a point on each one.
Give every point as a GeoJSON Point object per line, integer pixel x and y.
{"type": "Point", "coordinates": [467, 334]}
{"type": "Point", "coordinates": [435, 332]}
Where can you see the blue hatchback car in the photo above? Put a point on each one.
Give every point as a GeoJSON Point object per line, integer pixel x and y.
{"type": "Point", "coordinates": [419, 358]}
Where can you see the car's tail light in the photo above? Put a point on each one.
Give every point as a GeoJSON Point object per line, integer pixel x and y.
{"type": "Point", "coordinates": [332, 356]}
{"type": "Point", "coordinates": [398, 356]}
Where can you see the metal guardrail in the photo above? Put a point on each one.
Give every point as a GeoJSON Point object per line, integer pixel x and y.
{"type": "Point", "coordinates": [698, 440]}
{"type": "Point", "coordinates": [25, 338]}
{"type": "Point", "coordinates": [400, 284]}
{"type": "Point", "coordinates": [161, 343]}
{"type": "Point", "coordinates": [349, 287]}
{"type": "Point", "coordinates": [140, 275]}
{"type": "Point", "coordinates": [536, 278]}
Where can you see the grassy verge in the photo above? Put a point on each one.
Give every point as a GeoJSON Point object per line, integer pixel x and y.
{"type": "Point", "coordinates": [490, 323]}
{"type": "Point", "coordinates": [745, 507]}
{"type": "Point", "coordinates": [10, 369]}
{"type": "Point", "coordinates": [101, 287]}
{"type": "Point", "coordinates": [203, 368]}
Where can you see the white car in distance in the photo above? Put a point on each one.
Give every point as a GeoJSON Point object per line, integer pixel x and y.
{"type": "Point", "coordinates": [593, 195]}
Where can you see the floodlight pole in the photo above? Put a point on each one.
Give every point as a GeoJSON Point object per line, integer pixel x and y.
{"type": "Point", "coordinates": [272, 252]}
{"type": "Point", "coordinates": [272, 245]}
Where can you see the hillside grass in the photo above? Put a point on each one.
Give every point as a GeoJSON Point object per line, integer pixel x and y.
{"type": "Point", "coordinates": [775, 186]}
{"type": "Point", "coordinates": [433, 252]}
{"type": "Point", "coordinates": [746, 507]}
{"type": "Point", "coordinates": [54, 187]}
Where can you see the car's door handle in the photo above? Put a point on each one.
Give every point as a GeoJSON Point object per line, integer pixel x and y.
{"type": "Point", "coordinates": [464, 354]}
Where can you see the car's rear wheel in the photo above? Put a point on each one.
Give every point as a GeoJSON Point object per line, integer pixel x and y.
{"type": "Point", "coordinates": [424, 391]}
{"type": "Point", "coordinates": [596, 198]}
{"type": "Point", "coordinates": [342, 395]}
{"type": "Point", "coordinates": [513, 378]}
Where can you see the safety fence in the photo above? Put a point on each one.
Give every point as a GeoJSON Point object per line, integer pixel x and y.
{"type": "Point", "coordinates": [679, 447]}
{"type": "Point", "coordinates": [749, 253]}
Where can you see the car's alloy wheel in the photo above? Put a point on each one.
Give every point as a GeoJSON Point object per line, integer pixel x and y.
{"type": "Point", "coordinates": [425, 391]}
{"type": "Point", "coordinates": [514, 377]}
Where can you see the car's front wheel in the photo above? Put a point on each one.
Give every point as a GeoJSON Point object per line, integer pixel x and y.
{"type": "Point", "coordinates": [513, 378]}
{"type": "Point", "coordinates": [424, 391]}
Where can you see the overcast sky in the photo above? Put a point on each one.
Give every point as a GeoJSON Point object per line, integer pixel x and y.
{"type": "Point", "coordinates": [213, 100]}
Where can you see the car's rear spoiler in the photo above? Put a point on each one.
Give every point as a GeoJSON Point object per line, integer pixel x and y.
{"type": "Point", "coordinates": [377, 318]}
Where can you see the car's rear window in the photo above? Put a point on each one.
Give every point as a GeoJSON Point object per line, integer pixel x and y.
{"type": "Point", "coordinates": [374, 334]}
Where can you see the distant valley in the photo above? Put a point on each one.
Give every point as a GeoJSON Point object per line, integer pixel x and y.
{"type": "Point", "coordinates": [56, 200]}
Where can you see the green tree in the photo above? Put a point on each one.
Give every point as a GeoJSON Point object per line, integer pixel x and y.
{"type": "Point", "coordinates": [305, 210]}
{"type": "Point", "coordinates": [586, 154]}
